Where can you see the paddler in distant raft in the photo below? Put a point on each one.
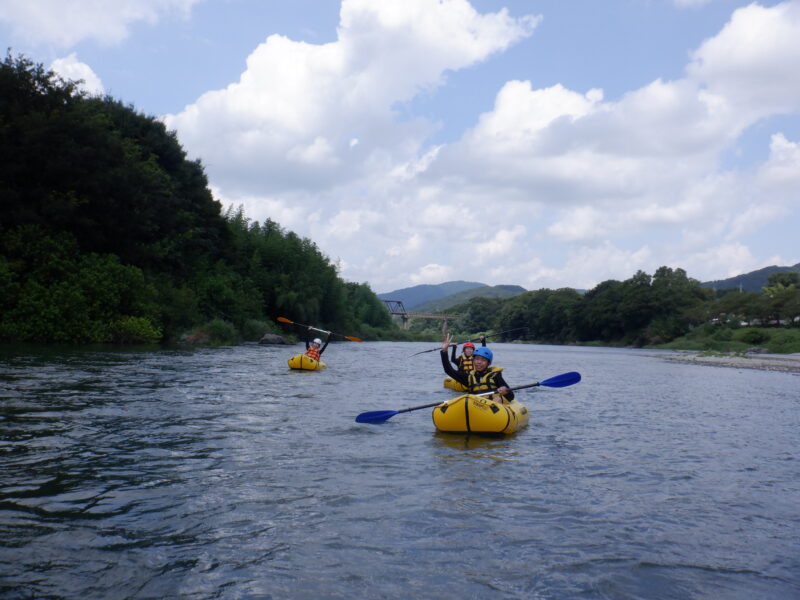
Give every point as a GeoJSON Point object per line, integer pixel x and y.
{"type": "Point", "coordinates": [483, 377]}
{"type": "Point", "coordinates": [313, 349]}
{"type": "Point", "coordinates": [463, 362]}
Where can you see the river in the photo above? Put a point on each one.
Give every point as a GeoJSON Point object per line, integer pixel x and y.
{"type": "Point", "coordinates": [220, 473]}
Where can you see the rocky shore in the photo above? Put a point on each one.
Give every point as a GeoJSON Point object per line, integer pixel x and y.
{"type": "Point", "coordinates": [767, 362]}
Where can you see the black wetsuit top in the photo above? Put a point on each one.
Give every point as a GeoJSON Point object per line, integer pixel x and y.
{"type": "Point", "coordinates": [463, 377]}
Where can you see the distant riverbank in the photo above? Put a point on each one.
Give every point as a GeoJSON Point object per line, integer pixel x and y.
{"type": "Point", "coordinates": [766, 362]}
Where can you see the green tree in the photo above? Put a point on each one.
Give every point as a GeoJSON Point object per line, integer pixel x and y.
{"type": "Point", "coordinates": [125, 240]}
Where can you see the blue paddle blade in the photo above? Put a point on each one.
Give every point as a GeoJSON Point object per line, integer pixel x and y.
{"type": "Point", "coordinates": [375, 416]}
{"type": "Point", "coordinates": [562, 380]}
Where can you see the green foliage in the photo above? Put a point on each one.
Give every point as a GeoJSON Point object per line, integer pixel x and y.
{"type": "Point", "coordinates": [721, 338]}
{"type": "Point", "coordinates": [109, 234]}
{"type": "Point", "coordinates": [752, 336]}
{"type": "Point", "coordinates": [217, 332]}
{"type": "Point", "coordinates": [134, 330]}
{"type": "Point", "coordinates": [254, 329]}
{"type": "Point", "coordinates": [54, 293]}
{"type": "Point", "coordinates": [784, 341]}
{"type": "Point", "coordinates": [724, 334]}
{"type": "Point", "coordinates": [784, 279]}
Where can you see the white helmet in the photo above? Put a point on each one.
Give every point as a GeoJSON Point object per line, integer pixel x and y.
{"type": "Point", "coordinates": [318, 341]}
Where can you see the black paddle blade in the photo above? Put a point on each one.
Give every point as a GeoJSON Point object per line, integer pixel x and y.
{"type": "Point", "coordinates": [562, 380]}
{"type": "Point", "coordinates": [376, 416]}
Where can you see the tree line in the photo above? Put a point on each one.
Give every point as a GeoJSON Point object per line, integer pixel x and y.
{"type": "Point", "coordinates": [109, 233]}
{"type": "Point", "coordinates": [644, 310]}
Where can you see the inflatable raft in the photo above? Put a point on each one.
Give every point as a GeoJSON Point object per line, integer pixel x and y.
{"type": "Point", "coordinates": [452, 384]}
{"type": "Point", "coordinates": [306, 363]}
{"type": "Point", "coordinates": [479, 414]}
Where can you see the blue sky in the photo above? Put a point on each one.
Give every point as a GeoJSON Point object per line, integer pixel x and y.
{"type": "Point", "coordinates": [538, 143]}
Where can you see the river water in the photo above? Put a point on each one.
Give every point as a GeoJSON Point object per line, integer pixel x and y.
{"type": "Point", "coordinates": [220, 473]}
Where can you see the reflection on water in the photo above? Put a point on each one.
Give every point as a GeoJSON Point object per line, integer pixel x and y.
{"type": "Point", "coordinates": [144, 473]}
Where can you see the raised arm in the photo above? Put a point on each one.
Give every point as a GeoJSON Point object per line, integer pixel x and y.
{"type": "Point", "coordinates": [325, 345]}
{"type": "Point", "coordinates": [460, 376]}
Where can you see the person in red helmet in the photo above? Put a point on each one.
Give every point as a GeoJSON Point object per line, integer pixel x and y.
{"type": "Point", "coordinates": [463, 362]}
{"type": "Point", "coordinates": [483, 377]}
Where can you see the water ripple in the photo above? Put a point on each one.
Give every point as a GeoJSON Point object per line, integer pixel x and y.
{"type": "Point", "coordinates": [221, 473]}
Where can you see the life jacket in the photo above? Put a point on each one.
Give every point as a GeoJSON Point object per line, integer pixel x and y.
{"type": "Point", "coordinates": [313, 353]}
{"type": "Point", "coordinates": [484, 382]}
{"type": "Point", "coordinates": [465, 363]}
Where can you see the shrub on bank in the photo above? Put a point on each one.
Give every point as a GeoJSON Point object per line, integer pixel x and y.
{"type": "Point", "coordinates": [134, 330]}
{"type": "Point", "coordinates": [754, 337]}
{"type": "Point", "coordinates": [784, 341]}
{"type": "Point", "coordinates": [724, 339]}
{"type": "Point", "coordinates": [254, 329]}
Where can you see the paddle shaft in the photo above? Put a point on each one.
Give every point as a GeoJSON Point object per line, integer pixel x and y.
{"type": "Point", "coordinates": [379, 416]}
{"type": "Point", "coordinates": [513, 389]}
{"type": "Point", "coordinates": [493, 334]}
{"type": "Point", "coordinates": [347, 337]}
{"type": "Point", "coordinates": [519, 387]}
{"type": "Point", "coordinates": [475, 340]}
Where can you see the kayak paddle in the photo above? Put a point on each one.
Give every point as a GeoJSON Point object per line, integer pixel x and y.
{"type": "Point", "coordinates": [559, 381]}
{"type": "Point", "coordinates": [347, 337]}
{"type": "Point", "coordinates": [475, 340]}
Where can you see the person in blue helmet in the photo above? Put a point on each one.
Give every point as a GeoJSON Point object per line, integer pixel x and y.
{"type": "Point", "coordinates": [483, 377]}
{"type": "Point", "coordinates": [464, 361]}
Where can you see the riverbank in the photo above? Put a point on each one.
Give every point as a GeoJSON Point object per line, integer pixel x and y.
{"type": "Point", "coordinates": [767, 362]}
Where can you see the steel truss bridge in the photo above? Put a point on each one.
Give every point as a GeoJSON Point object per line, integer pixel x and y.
{"type": "Point", "coordinates": [396, 309]}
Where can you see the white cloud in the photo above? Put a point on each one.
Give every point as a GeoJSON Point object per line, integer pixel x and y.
{"type": "Point", "coordinates": [648, 164]}
{"type": "Point", "coordinates": [431, 273]}
{"type": "Point", "coordinates": [501, 245]}
{"type": "Point", "coordinates": [71, 68]}
{"type": "Point", "coordinates": [349, 222]}
{"type": "Point", "coordinates": [585, 267]}
{"type": "Point", "coordinates": [290, 120]}
{"type": "Point", "coordinates": [550, 187]}
{"type": "Point", "coordinates": [752, 62]}
{"type": "Point", "coordinates": [580, 223]}
{"type": "Point", "coordinates": [722, 261]}
{"type": "Point", "coordinates": [547, 177]}
{"type": "Point", "coordinates": [412, 244]}
{"type": "Point", "coordinates": [782, 171]}
{"type": "Point", "coordinates": [64, 24]}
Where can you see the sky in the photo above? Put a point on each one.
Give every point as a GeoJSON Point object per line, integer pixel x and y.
{"type": "Point", "coordinates": [544, 144]}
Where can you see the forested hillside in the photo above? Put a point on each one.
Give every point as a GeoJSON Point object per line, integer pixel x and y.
{"type": "Point", "coordinates": [495, 291]}
{"type": "Point", "coordinates": [109, 233]}
{"type": "Point", "coordinates": [414, 296]}
{"type": "Point", "coordinates": [749, 282]}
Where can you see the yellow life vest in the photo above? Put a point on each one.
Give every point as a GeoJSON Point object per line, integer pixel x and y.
{"type": "Point", "coordinates": [465, 363]}
{"type": "Point", "coordinates": [484, 382]}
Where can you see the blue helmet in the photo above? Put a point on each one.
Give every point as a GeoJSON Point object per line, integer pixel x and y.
{"type": "Point", "coordinates": [485, 353]}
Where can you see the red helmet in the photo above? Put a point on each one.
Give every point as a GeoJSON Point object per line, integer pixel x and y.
{"type": "Point", "coordinates": [469, 345]}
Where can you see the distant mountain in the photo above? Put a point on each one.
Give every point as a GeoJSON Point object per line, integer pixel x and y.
{"type": "Point", "coordinates": [749, 282]}
{"type": "Point", "coordinates": [419, 294]}
{"type": "Point", "coordinates": [497, 291]}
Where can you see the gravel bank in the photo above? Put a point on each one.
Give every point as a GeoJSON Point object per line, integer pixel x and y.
{"type": "Point", "coordinates": [767, 362]}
